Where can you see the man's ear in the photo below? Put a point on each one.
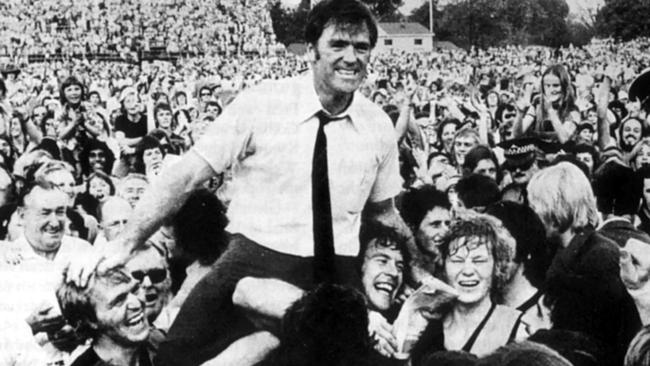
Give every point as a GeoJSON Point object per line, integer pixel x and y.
{"type": "Point", "coordinates": [311, 52]}
{"type": "Point", "coordinates": [20, 211]}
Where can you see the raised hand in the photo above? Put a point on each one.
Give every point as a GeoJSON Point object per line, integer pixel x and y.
{"type": "Point", "coordinates": [381, 333]}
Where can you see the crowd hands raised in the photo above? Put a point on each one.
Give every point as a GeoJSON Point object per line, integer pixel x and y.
{"type": "Point", "coordinates": [526, 178]}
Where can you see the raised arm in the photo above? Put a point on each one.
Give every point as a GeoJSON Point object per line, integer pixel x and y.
{"type": "Point", "coordinates": [266, 297]}
{"type": "Point", "coordinates": [160, 201]}
{"type": "Point", "coordinates": [165, 197]}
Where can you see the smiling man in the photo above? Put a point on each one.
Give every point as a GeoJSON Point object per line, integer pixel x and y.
{"type": "Point", "coordinates": [110, 313]}
{"type": "Point", "coordinates": [296, 208]}
{"type": "Point", "coordinates": [36, 260]}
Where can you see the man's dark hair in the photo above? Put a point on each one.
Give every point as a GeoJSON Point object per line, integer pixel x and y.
{"type": "Point", "coordinates": [386, 237]}
{"type": "Point", "coordinates": [327, 326]}
{"type": "Point", "coordinates": [147, 143]}
{"type": "Point", "coordinates": [501, 109]}
{"type": "Point", "coordinates": [478, 153]}
{"type": "Point", "coordinates": [578, 348]}
{"type": "Point", "coordinates": [340, 13]}
{"type": "Point", "coordinates": [618, 189]}
{"type": "Point", "coordinates": [449, 358]}
{"type": "Point", "coordinates": [477, 191]}
{"type": "Point", "coordinates": [212, 103]}
{"type": "Point", "coordinates": [524, 354]}
{"type": "Point", "coordinates": [200, 226]}
{"type": "Point", "coordinates": [417, 202]}
{"type": "Point", "coordinates": [161, 107]}
{"type": "Point", "coordinates": [530, 235]}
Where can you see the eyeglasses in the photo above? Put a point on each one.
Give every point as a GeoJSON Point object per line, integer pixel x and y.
{"type": "Point", "coordinates": [523, 167]}
{"type": "Point", "coordinates": [155, 275]}
{"type": "Point", "coordinates": [512, 115]}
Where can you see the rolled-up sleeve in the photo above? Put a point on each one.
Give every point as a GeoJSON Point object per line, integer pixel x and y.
{"type": "Point", "coordinates": [229, 136]}
{"type": "Point", "coordinates": [388, 183]}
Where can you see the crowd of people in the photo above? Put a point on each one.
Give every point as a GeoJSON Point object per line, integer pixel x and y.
{"type": "Point", "coordinates": [126, 27]}
{"type": "Point", "coordinates": [481, 207]}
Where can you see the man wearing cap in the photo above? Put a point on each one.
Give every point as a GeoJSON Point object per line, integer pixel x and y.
{"type": "Point", "coordinates": [521, 159]}
{"type": "Point", "coordinates": [301, 183]}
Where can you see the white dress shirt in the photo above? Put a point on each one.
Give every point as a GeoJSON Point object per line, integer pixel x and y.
{"type": "Point", "coordinates": [267, 136]}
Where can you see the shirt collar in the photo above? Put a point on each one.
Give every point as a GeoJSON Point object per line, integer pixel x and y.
{"type": "Point", "coordinates": [309, 103]}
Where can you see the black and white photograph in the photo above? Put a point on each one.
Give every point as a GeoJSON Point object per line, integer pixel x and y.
{"type": "Point", "coordinates": [324, 183]}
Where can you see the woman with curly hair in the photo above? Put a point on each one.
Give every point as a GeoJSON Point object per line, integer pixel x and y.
{"type": "Point", "coordinates": [477, 259]}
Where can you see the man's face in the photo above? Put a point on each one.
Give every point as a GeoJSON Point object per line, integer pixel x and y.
{"type": "Point", "coordinates": [340, 58]}
{"type": "Point", "coordinates": [631, 133]}
{"type": "Point", "coordinates": [133, 189]}
{"type": "Point", "coordinates": [115, 215]}
{"type": "Point", "coordinates": [205, 95]}
{"type": "Point", "coordinates": [164, 118]}
{"type": "Point", "coordinates": [213, 110]}
{"type": "Point", "coordinates": [462, 145]}
{"type": "Point", "coordinates": [522, 173]}
{"type": "Point", "coordinates": [120, 313]}
{"type": "Point", "coordinates": [432, 229]}
{"type": "Point", "coordinates": [150, 269]}
{"type": "Point", "coordinates": [587, 159]}
{"type": "Point", "coordinates": [382, 274]}
{"type": "Point", "coordinates": [64, 180]}
{"type": "Point", "coordinates": [586, 136]}
{"type": "Point", "coordinates": [97, 160]}
{"type": "Point", "coordinates": [99, 188]}
{"type": "Point", "coordinates": [44, 217]}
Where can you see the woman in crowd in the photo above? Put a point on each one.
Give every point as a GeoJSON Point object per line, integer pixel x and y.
{"type": "Point", "coordinates": [476, 254]}
{"type": "Point", "coordinates": [446, 133]}
{"type": "Point", "coordinates": [554, 115]}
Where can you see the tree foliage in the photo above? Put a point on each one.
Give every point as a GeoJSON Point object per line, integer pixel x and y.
{"type": "Point", "coordinates": [289, 23]}
{"type": "Point", "coordinates": [487, 23]}
{"type": "Point", "coordinates": [624, 19]}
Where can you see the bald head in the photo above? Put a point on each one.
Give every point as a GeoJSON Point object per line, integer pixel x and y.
{"type": "Point", "coordinates": [114, 214]}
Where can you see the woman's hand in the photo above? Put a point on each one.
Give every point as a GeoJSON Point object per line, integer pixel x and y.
{"type": "Point", "coordinates": [381, 333]}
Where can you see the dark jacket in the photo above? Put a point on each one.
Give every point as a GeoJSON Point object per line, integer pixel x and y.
{"type": "Point", "coordinates": [587, 294]}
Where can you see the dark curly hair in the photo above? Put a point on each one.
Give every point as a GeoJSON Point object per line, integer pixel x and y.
{"type": "Point", "coordinates": [327, 326]}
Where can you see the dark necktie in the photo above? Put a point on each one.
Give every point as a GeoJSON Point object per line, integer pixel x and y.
{"type": "Point", "coordinates": [324, 270]}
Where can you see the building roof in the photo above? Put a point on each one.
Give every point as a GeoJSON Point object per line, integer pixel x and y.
{"type": "Point", "coordinates": [403, 28]}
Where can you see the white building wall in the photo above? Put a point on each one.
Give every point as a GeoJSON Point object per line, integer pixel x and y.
{"type": "Point", "coordinates": [405, 43]}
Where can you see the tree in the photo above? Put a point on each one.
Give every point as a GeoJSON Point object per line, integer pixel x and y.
{"type": "Point", "coordinates": [289, 24]}
{"type": "Point", "coordinates": [385, 10]}
{"type": "Point", "coordinates": [487, 23]}
{"type": "Point", "coordinates": [624, 19]}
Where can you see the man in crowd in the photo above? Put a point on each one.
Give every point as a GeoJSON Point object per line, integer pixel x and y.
{"type": "Point", "coordinates": [383, 264]}
{"type": "Point", "coordinates": [278, 133]}
{"type": "Point", "coordinates": [36, 261]}
{"type": "Point", "coordinates": [113, 215]}
{"type": "Point", "coordinates": [583, 284]}
{"type": "Point", "coordinates": [109, 312]}
{"type": "Point", "coordinates": [521, 159]}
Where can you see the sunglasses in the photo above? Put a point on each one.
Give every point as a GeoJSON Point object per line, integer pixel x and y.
{"type": "Point", "coordinates": [523, 167]}
{"type": "Point", "coordinates": [155, 275]}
